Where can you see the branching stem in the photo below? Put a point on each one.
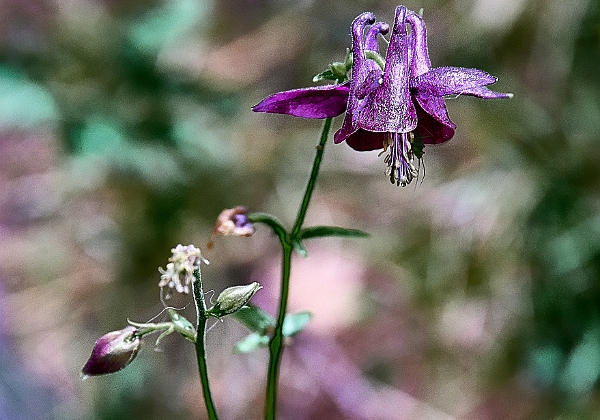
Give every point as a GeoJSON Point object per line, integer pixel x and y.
{"type": "Point", "coordinates": [276, 344]}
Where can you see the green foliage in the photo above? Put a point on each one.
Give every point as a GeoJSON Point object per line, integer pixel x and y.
{"type": "Point", "coordinates": [24, 104]}
{"type": "Point", "coordinates": [296, 322]}
{"type": "Point", "coordinates": [255, 319]}
{"type": "Point", "coordinates": [324, 231]}
{"type": "Point", "coordinates": [262, 324]}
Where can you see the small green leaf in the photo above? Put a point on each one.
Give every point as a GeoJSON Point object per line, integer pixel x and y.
{"type": "Point", "coordinates": [255, 319]}
{"type": "Point", "coordinates": [349, 59]}
{"type": "Point", "coordinates": [339, 71]}
{"type": "Point", "coordinates": [179, 320]}
{"type": "Point", "coordinates": [294, 323]}
{"type": "Point", "coordinates": [261, 322]}
{"type": "Point", "coordinates": [300, 248]}
{"type": "Point", "coordinates": [321, 231]}
{"type": "Point", "coordinates": [182, 325]}
{"type": "Point", "coordinates": [325, 75]}
{"type": "Point", "coordinates": [251, 342]}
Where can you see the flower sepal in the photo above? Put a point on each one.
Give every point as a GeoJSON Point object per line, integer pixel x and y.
{"type": "Point", "coordinates": [314, 102]}
{"type": "Point", "coordinates": [444, 81]}
{"type": "Point", "coordinates": [338, 71]}
{"type": "Point", "coordinates": [182, 325]}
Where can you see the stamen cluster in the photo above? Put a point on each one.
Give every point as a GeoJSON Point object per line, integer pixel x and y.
{"type": "Point", "coordinates": [179, 273]}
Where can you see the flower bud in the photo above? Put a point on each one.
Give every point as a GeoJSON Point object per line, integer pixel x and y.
{"type": "Point", "coordinates": [233, 222]}
{"type": "Point", "coordinates": [112, 352]}
{"type": "Point", "coordinates": [234, 298]}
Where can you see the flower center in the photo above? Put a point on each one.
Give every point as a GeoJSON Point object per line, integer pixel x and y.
{"type": "Point", "coordinates": [399, 160]}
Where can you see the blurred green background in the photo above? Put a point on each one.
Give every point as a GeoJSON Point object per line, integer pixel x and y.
{"type": "Point", "coordinates": [125, 128]}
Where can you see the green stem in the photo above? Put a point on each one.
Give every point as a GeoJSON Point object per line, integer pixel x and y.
{"type": "Point", "coordinates": [201, 346]}
{"type": "Point", "coordinates": [276, 345]}
{"type": "Point", "coordinates": [313, 179]}
{"type": "Point", "coordinates": [270, 221]}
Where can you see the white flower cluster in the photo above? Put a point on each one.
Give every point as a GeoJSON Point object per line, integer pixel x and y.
{"type": "Point", "coordinates": [179, 273]}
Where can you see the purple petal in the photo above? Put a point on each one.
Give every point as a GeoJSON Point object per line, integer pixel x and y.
{"type": "Point", "coordinates": [389, 108]}
{"type": "Point", "coordinates": [363, 141]}
{"type": "Point", "coordinates": [434, 106]}
{"type": "Point", "coordinates": [443, 81]}
{"type": "Point", "coordinates": [434, 124]}
{"type": "Point", "coordinates": [371, 38]}
{"type": "Point", "coordinates": [419, 60]}
{"type": "Point", "coordinates": [314, 102]}
{"type": "Point", "coordinates": [485, 93]}
{"type": "Point", "coordinates": [360, 69]}
{"type": "Point", "coordinates": [372, 81]}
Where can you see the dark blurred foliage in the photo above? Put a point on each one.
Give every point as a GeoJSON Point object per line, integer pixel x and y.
{"type": "Point", "coordinates": [125, 128]}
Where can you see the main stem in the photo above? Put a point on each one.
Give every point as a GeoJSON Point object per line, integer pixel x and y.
{"type": "Point", "coordinates": [201, 345]}
{"type": "Point", "coordinates": [276, 344]}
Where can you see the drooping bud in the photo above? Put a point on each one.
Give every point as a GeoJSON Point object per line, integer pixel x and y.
{"type": "Point", "coordinates": [232, 222]}
{"type": "Point", "coordinates": [233, 299]}
{"type": "Point", "coordinates": [112, 352]}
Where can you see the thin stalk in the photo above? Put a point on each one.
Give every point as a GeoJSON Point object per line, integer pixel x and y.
{"type": "Point", "coordinates": [201, 346]}
{"type": "Point", "coordinates": [276, 345]}
{"type": "Point", "coordinates": [313, 179]}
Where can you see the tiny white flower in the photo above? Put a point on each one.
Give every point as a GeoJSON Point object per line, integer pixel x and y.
{"type": "Point", "coordinates": [179, 273]}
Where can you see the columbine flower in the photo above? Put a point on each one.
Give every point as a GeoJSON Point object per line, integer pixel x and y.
{"type": "Point", "coordinates": [179, 273]}
{"type": "Point", "coordinates": [112, 352]}
{"type": "Point", "coordinates": [385, 113]}
{"type": "Point", "coordinates": [393, 107]}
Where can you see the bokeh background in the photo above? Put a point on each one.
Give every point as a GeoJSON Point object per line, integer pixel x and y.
{"type": "Point", "coordinates": [125, 128]}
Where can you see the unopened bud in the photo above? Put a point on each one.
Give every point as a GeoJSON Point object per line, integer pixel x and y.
{"type": "Point", "coordinates": [112, 352]}
{"type": "Point", "coordinates": [232, 222]}
{"type": "Point", "coordinates": [234, 298]}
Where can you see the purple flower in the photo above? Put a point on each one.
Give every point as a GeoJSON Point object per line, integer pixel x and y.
{"type": "Point", "coordinates": [112, 352]}
{"type": "Point", "coordinates": [384, 113]}
{"type": "Point", "coordinates": [391, 108]}
{"type": "Point", "coordinates": [429, 86]}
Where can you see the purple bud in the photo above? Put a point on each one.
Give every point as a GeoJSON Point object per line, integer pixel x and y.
{"type": "Point", "coordinates": [112, 352]}
{"type": "Point", "coordinates": [232, 222]}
